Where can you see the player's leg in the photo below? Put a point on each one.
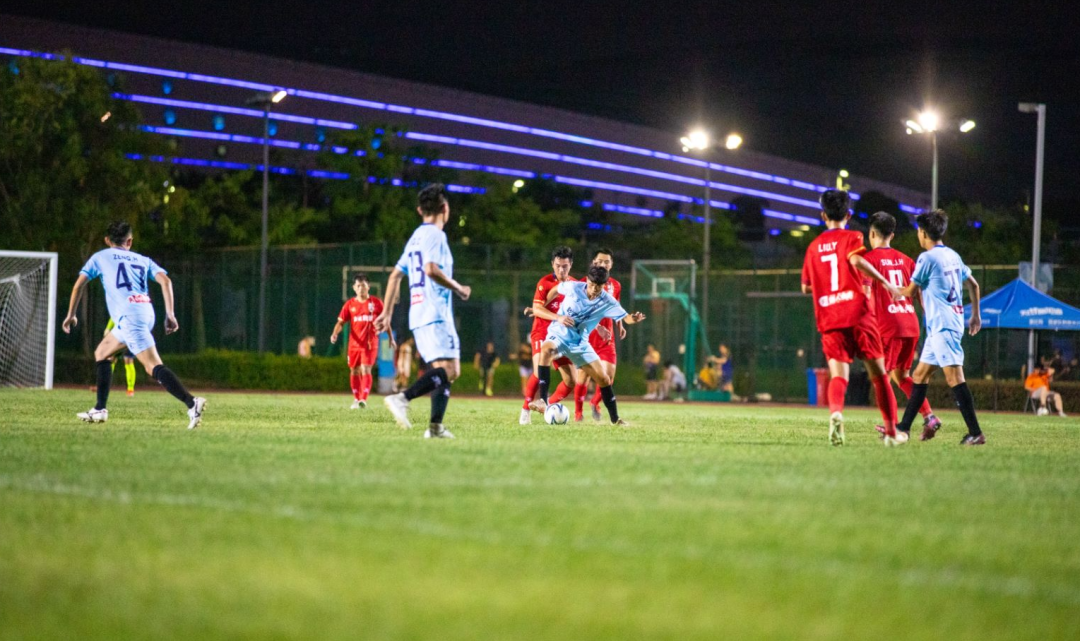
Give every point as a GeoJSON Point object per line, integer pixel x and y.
{"type": "Point", "coordinates": [599, 375]}
{"type": "Point", "coordinates": [149, 358]}
{"type": "Point", "coordinates": [839, 373]}
{"type": "Point", "coordinates": [921, 380]}
{"type": "Point", "coordinates": [356, 382]}
{"type": "Point", "coordinates": [965, 402]}
{"type": "Point", "coordinates": [533, 382]}
{"type": "Point", "coordinates": [103, 364]}
{"type": "Point", "coordinates": [439, 347]}
{"type": "Point", "coordinates": [608, 360]}
{"type": "Point", "coordinates": [885, 399]}
{"type": "Point", "coordinates": [566, 385]}
{"type": "Point", "coordinates": [129, 371]}
{"type": "Point", "coordinates": [581, 390]}
{"type": "Point", "coordinates": [549, 350]}
{"type": "Point", "coordinates": [898, 359]}
{"type": "Point", "coordinates": [367, 364]}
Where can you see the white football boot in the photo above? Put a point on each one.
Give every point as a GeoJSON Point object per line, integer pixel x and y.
{"type": "Point", "coordinates": [836, 429]}
{"type": "Point", "coordinates": [436, 430]}
{"type": "Point", "coordinates": [195, 413]}
{"type": "Point", "coordinates": [94, 415]}
{"type": "Point", "coordinates": [398, 406]}
{"type": "Point", "coordinates": [525, 418]}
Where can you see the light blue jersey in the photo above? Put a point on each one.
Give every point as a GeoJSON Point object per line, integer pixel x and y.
{"type": "Point", "coordinates": [940, 273]}
{"type": "Point", "coordinates": [585, 313]}
{"type": "Point", "coordinates": [126, 278]}
{"type": "Point", "coordinates": [429, 302]}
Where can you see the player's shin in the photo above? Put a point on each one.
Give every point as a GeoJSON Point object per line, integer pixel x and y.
{"type": "Point", "coordinates": [837, 390]}
{"type": "Point", "coordinates": [354, 385]}
{"type": "Point", "coordinates": [530, 390]}
{"type": "Point", "coordinates": [426, 384]}
{"type": "Point", "coordinates": [886, 401]}
{"type": "Point", "coordinates": [561, 392]}
{"type": "Point", "coordinates": [608, 396]}
{"type": "Point", "coordinates": [543, 381]}
{"type": "Point", "coordinates": [104, 381]}
{"type": "Point", "coordinates": [905, 385]}
{"type": "Point", "coordinates": [440, 398]}
{"type": "Point", "coordinates": [916, 398]}
{"type": "Point", "coordinates": [966, 403]}
{"type": "Point", "coordinates": [172, 385]}
{"type": "Point", "coordinates": [596, 397]}
{"type": "Point", "coordinates": [365, 386]}
{"type": "Point", "coordinates": [129, 369]}
{"type": "Point", "coordinates": [581, 390]}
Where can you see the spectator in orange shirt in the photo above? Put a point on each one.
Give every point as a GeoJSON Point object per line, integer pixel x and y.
{"type": "Point", "coordinates": [1038, 385]}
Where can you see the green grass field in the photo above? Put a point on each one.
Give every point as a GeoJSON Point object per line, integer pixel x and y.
{"type": "Point", "coordinates": [290, 517]}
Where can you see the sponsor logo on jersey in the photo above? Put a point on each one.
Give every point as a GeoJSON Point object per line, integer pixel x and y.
{"type": "Point", "coordinates": [417, 298]}
{"type": "Point", "coordinates": [838, 297]}
{"type": "Point", "coordinates": [901, 308]}
{"type": "Point", "coordinates": [363, 318]}
{"type": "Point", "coordinates": [138, 298]}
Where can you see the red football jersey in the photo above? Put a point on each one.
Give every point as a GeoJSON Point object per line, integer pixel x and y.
{"type": "Point", "coordinates": [834, 282]}
{"type": "Point", "coordinates": [361, 317]}
{"type": "Point", "coordinates": [614, 288]}
{"type": "Point", "coordinates": [895, 318]}
{"type": "Point", "coordinates": [543, 288]}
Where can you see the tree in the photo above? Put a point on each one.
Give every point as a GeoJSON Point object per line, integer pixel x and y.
{"type": "Point", "coordinates": [64, 173]}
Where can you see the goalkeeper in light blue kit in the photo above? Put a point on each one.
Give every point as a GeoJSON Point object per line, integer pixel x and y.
{"type": "Point", "coordinates": [584, 305]}
{"type": "Point", "coordinates": [125, 277]}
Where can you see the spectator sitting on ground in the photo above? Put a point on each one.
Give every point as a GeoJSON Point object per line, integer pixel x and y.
{"type": "Point", "coordinates": [674, 383]}
{"type": "Point", "coordinates": [305, 347]}
{"type": "Point", "coordinates": [652, 372]}
{"type": "Point", "coordinates": [707, 378]}
{"type": "Point", "coordinates": [486, 362]}
{"type": "Point", "coordinates": [1038, 386]}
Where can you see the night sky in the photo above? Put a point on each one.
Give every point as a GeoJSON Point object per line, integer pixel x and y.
{"type": "Point", "coordinates": [826, 86]}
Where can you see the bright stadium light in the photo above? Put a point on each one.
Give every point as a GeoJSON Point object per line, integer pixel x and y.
{"type": "Point", "coordinates": [913, 127]}
{"type": "Point", "coordinates": [278, 96]}
{"type": "Point", "coordinates": [929, 120]}
{"type": "Point", "coordinates": [967, 126]}
{"type": "Point", "coordinates": [697, 139]}
{"type": "Point", "coordinates": [733, 141]}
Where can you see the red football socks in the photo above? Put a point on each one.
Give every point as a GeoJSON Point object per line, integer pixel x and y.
{"type": "Point", "coordinates": [837, 389]}
{"type": "Point", "coordinates": [886, 402]}
{"type": "Point", "coordinates": [530, 390]}
{"type": "Point", "coordinates": [561, 392]}
{"type": "Point", "coordinates": [906, 386]}
{"type": "Point", "coordinates": [365, 386]}
{"type": "Point", "coordinates": [354, 384]}
{"type": "Point", "coordinates": [580, 392]}
{"type": "Point", "coordinates": [596, 397]}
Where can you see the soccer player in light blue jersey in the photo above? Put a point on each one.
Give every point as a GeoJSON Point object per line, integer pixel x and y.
{"type": "Point", "coordinates": [126, 278]}
{"type": "Point", "coordinates": [584, 305]}
{"type": "Point", "coordinates": [941, 275]}
{"type": "Point", "coordinates": [429, 265]}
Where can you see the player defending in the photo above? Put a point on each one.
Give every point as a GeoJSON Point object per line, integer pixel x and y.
{"type": "Point", "coordinates": [125, 276]}
{"type": "Point", "coordinates": [941, 274]}
{"type": "Point", "coordinates": [603, 342]}
{"type": "Point", "coordinates": [360, 312]}
{"type": "Point", "coordinates": [831, 272]}
{"type": "Point", "coordinates": [129, 362]}
{"type": "Point", "coordinates": [430, 267]}
{"type": "Point", "coordinates": [897, 323]}
{"type": "Point", "coordinates": [584, 304]}
{"type": "Point", "coordinates": [547, 297]}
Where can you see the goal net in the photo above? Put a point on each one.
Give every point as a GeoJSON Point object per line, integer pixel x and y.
{"type": "Point", "coordinates": [27, 318]}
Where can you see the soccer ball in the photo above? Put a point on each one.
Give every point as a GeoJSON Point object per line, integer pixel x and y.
{"type": "Point", "coordinates": [556, 414]}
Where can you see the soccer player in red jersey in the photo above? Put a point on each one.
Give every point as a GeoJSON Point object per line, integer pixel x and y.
{"type": "Point", "coordinates": [546, 296]}
{"type": "Point", "coordinates": [360, 312]}
{"type": "Point", "coordinates": [603, 341]}
{"type": "Point", "coordinates": [831, 273]}
{"type": "Point", "coordinates": [896, 319]}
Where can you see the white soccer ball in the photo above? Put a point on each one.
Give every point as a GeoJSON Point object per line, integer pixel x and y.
{"type": "Point", "coordinates": [556, 414]}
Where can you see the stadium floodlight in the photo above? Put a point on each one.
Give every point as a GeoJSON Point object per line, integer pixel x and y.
{"type": "Point", "coordinates": [1036, 232]}
{"type": "Point", "coordinates": [265, 99]}
{"type": "Point", "coordinates": [697, 140]}
{"type": "Point", "coordinates": [967, 126]}
{"type": "Point", "coordinates": [733, 141]}
{"type": "Point", "coordinates": [913, 127]}
{"type": "Point", "coordinates": [930, 122]}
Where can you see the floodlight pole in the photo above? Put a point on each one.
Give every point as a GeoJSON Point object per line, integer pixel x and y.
{"type": "Point", "coordinates": [933, 171]}
{"type": "Point", "coordinates": [1036, 232]}
{"type": "Point", "coordinates": [706, 254]}
{"type": "Point", "coordinates": [265, 243]}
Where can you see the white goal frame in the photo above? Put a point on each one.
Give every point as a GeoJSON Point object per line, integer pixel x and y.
{"type": "Point", "coordinates": [50, 339]}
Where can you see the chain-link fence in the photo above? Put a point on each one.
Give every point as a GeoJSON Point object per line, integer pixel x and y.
{"type": "Point", "coordinates": [759, 314]}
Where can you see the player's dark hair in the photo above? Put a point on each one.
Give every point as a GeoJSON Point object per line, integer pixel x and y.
{"type": "Point", "coordinates": [598, 274]}
{"type": "Point", "coordinates": [605, 251]}
{"type": "Point", "coordinates": [884, 223]}
{"type": "Point", "coordinates": [933, 223]}
{"type": "Point", "coordinates": [667, 364]}
{"type": "Point", "coordinates": [562, 252]}
{"type": "Point", "coordinates": [431, 199]}
{"type": "Point", "coordinates": [118, 232]}
{"type": "Point", "coordinates": [836, 203]}
{"type": "Point", "coordinates": [360, 277]}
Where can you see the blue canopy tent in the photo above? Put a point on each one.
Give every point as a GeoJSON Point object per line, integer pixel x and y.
{"type": "Point", "coordinates": [1018, 305]}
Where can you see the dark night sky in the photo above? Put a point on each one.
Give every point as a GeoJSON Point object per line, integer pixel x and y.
{"type": "Point", "coordinates": [827, 85]}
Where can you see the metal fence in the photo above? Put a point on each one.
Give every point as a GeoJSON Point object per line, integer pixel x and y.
{"type": "Point", "coordinates": [759, 314]}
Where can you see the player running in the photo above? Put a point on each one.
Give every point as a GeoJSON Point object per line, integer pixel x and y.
{"type": "Point", "coordinates": [129, 362]}
{"type": "Point", "coordinates": [584, 304]}
{"type": "Point", "coordinates": [941, 275]}
{"type": "Point", "coordinates": [360, 312]}
{"type": "Point", "coordinates": [125, 277]}
{"type": "Point", "coordinates": [831, 272]}
{"type": "Point", "coordinates": [428, 263]}
{"type": "Point", "coordinates": [602, 341]}
{"type": "Point", "coordinates": [897, 323]}
{"type": "Point", "coordinates": [547, 296]}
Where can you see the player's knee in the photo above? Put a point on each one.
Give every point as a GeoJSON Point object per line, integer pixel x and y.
{"type": "Point", "coordinates": [603, 380]}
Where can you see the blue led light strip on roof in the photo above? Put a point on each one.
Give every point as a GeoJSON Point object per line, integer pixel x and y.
{"type": "Point", "coordinates": [370, 104]}
{"type": "Point", "coordinates": [256, 113]}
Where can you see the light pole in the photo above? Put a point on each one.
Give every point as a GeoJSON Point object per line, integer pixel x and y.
{"type": "Point", "coordinates": [929, 122]}
{"type": "Point", "coordinates": [698, 140]}
{"type": "Point", "coordinates": [1036, 232]}
{"type": "Point", "coordinates": [265, 99]}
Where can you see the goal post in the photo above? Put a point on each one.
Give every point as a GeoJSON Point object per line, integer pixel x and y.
{"type": "Point", "coordinates": [671, 284]}
{"type": "Point", "coordinates": [28, 282]}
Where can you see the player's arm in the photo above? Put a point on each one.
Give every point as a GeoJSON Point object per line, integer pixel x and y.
{"type": "Point", "coordinates": [337, 330]}
{"type": "Point", "coordinates": [975, 323]}
{"type": "Point", "coordinates": [170, 302]}
{"type": "Point", "coordinates": [432, 271]}
{"type": "Point", "coordinates": [70, 321]}
{"type": "Point", "coordinates": [542, 312]}
{"type": "Point", "coordinates": [496, 363]}
{"type": "Point", "coordinates": [393, 291]}
{"type": "Point", "coordinates": [864, 266]}
{"type": "Point", "coordinates": [476, 361]}
{"type": "Point", "coordinates": [622, 329]}
{"type": "Point", "coordinates": [633, 319]}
